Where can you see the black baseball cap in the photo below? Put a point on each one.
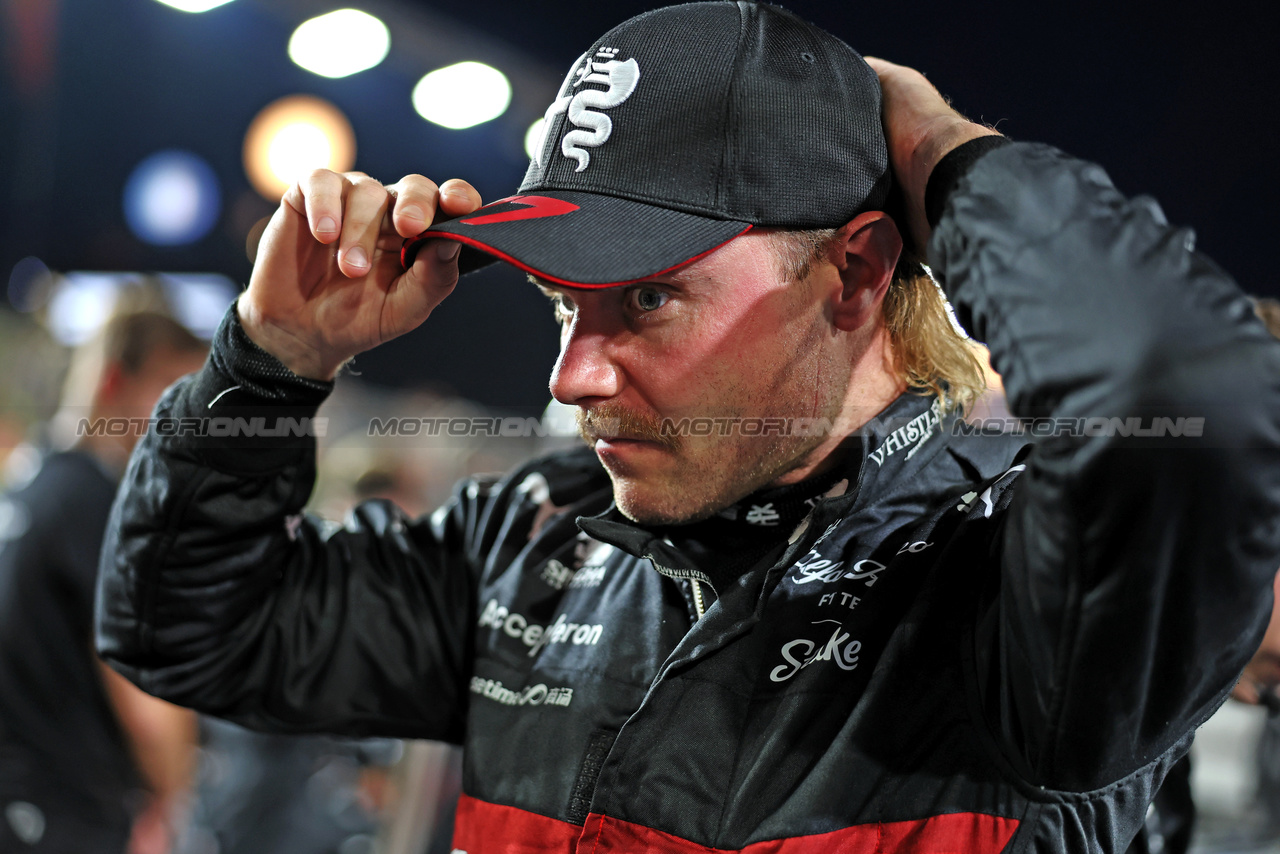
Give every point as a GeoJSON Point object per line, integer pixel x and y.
{"type": "Point", "coordinates": [679, 130]}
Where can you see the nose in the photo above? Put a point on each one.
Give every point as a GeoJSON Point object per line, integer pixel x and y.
{"type": "Point", "coordinates": [586, 371]}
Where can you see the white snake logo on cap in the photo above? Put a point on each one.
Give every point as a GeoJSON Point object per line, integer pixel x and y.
{"type": "Point", "coordinates": [593, 127]}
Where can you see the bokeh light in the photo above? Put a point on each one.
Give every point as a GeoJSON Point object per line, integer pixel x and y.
{"type": "Point", "coordinates": [292, 136]}
{"type": "Point", "coordinates": [340, 43]}
{"type": "Point", "coordinates": [533, 138]}
{"type": "Point", "coordinates": [80, 304]}
{"type": "Point", "coordinates": [30, 282]}
{"type": "Point", "coordinates": [194, 5]}
{"type": "Point", "coordinates": [172, 199]}
{"type": "Point", "coordinates": [83, 300]}
{"type": "Point", "coordinates": [462, 95]}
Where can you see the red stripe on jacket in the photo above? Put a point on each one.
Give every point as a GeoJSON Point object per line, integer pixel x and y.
{"type": "Point", "coordinates": [485, 828]}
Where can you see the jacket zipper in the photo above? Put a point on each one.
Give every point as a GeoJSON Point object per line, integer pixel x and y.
{"type": "Point", "coordinates": [696, 580]}
{"type": "Point", "coordinates": [699, 606]}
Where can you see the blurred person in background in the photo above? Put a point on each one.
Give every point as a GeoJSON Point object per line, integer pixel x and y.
{"type": "Point", "coordinates": [34, 366]}
{"type": "Point", "coordinates": [88, 762]}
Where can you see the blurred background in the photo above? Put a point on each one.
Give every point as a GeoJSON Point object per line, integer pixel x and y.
{"type": "Point", "coordinates": [143, 145]}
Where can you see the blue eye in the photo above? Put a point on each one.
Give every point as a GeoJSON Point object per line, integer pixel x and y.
{"type": "Point", "coordinates": [649, 299]}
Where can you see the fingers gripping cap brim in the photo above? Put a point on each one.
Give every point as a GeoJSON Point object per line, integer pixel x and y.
{"type": "Point", "coordinates": [580, 240]}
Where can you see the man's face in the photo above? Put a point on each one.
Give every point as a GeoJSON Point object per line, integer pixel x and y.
{"type": "Point", "coordinates": [727, 338]}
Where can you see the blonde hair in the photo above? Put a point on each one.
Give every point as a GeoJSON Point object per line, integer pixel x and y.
{"type": "Point", "coordinates": [931, 354]}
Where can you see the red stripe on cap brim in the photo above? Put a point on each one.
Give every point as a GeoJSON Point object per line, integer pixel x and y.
{"type": "Point", "coordinates": [414, 244]}
{"type": "Point", "coordinates": [531, 206]}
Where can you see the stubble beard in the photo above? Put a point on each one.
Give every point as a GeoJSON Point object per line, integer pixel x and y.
{"type": "Point", "coordinates": [706, 474]}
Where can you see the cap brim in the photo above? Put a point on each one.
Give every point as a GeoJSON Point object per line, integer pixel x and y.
{"type": "Point", "coordinates": [581, 240]}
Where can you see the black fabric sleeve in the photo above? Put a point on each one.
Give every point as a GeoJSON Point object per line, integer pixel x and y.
{"type": "Point", "coordinates": [950, 169]}
{"type": "Point", "coordinates": [217, 592]}
{"type": "Point", "coordinates": [1134, 567]}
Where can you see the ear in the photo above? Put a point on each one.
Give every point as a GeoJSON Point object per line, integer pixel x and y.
{"type": "Point", "coordinates": [866, 253]}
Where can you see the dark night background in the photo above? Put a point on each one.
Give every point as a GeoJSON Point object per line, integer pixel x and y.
{"type": "Point", "coordinates": [1177, 100]}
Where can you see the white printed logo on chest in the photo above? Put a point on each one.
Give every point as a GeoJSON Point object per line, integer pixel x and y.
{"type": "Point", "coordinates": [840, 649]}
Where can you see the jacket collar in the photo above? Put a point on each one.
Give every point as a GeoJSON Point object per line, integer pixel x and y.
{"type": "Point", "coordinates": [895, 443]}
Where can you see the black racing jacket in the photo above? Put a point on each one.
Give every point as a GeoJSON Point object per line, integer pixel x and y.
{"type": "Point", "coordinates": [972, 643]}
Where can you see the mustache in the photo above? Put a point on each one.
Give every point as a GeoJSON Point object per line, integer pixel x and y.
{"type": "Point", "coordinates": [614, 421]}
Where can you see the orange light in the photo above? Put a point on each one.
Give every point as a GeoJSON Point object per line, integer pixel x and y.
{"type": "Point", "coordinates": [290, 137]}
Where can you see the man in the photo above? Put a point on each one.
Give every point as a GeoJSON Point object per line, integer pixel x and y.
{"type": "Point", "coordinates": [88, 763]}
{"type": "Point", "coordinates": [781, 607]}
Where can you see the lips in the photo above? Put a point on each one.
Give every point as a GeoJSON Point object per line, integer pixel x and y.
{"type": "Point", "coordinates": [616, 426]}
{"type": "Point", "coordinates": [607, 447]}
{"type": "Point", "coordinates": [631, 457]}
{"type": "Point", "coordinates": [614, 438]}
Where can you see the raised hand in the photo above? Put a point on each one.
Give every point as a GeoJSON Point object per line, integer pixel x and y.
{"type": "Point", "coordinates": [920, 127]}
{"type": "Point", "coordinates": [328, 283]}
